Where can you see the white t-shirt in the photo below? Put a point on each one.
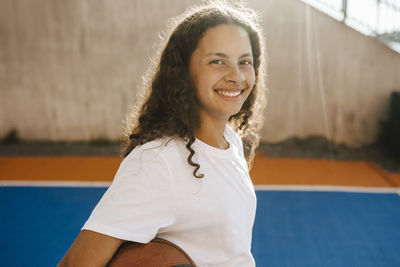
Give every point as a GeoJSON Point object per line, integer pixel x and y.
{"type": "Point", "coordinates": [154, 193]}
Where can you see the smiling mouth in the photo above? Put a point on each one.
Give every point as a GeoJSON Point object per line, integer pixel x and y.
{"type": "Point", "coordinates": [230, 93]}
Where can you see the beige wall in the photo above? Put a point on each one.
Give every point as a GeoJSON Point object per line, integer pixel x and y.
{"type": "Point", "coordinates": [69, 70]}
{"type": "Point", "coordinates": [325, 78]}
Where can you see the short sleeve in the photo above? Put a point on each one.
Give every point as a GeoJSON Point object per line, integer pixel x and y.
{"type": "Point", "coordinates": [138, 202]}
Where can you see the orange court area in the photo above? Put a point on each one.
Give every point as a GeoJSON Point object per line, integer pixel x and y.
{"type": "Point", "coordinates": [300, 171]}
{"type": "Point", "coordinates": [265, 171]}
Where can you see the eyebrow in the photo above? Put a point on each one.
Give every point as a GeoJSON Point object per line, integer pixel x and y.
{"type": "Point", "coordinates": [226, 56]}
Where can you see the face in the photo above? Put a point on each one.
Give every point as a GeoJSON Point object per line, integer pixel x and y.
{"type": "Point", "coordinates": [221, 68]}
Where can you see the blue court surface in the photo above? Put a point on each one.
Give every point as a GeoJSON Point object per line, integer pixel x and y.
{"type": "Point", "coordinates": [292, 228]}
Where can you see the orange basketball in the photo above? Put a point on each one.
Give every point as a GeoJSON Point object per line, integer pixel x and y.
{"type": "Point", "coordinates": [157, 253]}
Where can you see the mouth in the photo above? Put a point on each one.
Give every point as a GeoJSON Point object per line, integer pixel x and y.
{"type": "Point", "coordinates": [230, 93]}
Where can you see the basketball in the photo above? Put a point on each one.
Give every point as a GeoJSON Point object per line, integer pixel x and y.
{"type": "Point", "coordinates": [157, 253]}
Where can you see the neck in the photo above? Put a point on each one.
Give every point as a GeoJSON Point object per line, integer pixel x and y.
{"type": "Point", "coordinates": [211, 132]}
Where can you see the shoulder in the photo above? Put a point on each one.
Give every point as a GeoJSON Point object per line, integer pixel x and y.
{"type": "Point", "coordinates": [230, 131]}
{"type": "Point", "coordinates": [153, 156]}
{"type": "Point", "coordinates": [234, 139]}
{"type": "Point", "coordinates": [232, 136]}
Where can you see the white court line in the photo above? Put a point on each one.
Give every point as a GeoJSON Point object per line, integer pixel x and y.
{"type": "Point", "coordinates": [54, 183]}
{"type": "Point", "coordinates": [329, 188]}
{"type": "Point", "coordinates": [316, 188]}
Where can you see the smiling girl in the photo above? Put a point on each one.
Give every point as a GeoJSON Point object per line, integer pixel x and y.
{"type": "Point", "coordinates": [184, 177]}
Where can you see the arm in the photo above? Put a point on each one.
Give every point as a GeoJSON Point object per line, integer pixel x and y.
{"type": "Point", "coordinates": [90, 249]}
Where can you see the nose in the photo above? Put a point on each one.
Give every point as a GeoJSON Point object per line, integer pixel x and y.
{"type": "Point", "coordinates": [234, 75]}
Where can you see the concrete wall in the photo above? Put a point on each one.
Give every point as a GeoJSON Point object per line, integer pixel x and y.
{"type": "Point", "coordinates": [69, 70]}
{"type": "Point", "coordinates": [325, 78]}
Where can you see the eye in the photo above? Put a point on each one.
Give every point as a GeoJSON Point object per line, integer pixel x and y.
{"type": "Point", "coordinates": [246, 62]}
{"type": "Point", "coordinates": [217, 61]}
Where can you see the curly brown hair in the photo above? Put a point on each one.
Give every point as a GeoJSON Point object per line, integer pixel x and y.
{"type": "Point", "coordinates": [169, 106]}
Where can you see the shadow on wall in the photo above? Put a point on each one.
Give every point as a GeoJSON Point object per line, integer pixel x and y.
{"type": "Point", "coordinates": [13, 145]}
{"type": "Point", "coordinates": [390, 129]}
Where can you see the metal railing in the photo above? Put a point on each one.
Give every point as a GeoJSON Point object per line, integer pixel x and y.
{"type": "Point", "coordinates": [378, 18]}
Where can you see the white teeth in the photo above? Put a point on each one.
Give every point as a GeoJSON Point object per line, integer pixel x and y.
{"type": "Point", "coordinates": [227, 93]}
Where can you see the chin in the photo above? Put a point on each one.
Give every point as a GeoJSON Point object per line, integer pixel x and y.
{"type": "Point", "coordinates": [232, 113]}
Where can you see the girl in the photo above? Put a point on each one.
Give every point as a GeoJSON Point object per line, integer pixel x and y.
{"type": "Point", "coordinates": [184, 177]}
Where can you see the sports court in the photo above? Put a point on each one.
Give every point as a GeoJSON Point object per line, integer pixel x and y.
{"type": "Point", "coordinates": [311, 212]}
{"type": "Point", "coordinates": [70, 72]}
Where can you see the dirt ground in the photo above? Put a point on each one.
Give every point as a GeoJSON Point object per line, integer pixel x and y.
{"type": "Point", "coordinates": [312, 147]}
